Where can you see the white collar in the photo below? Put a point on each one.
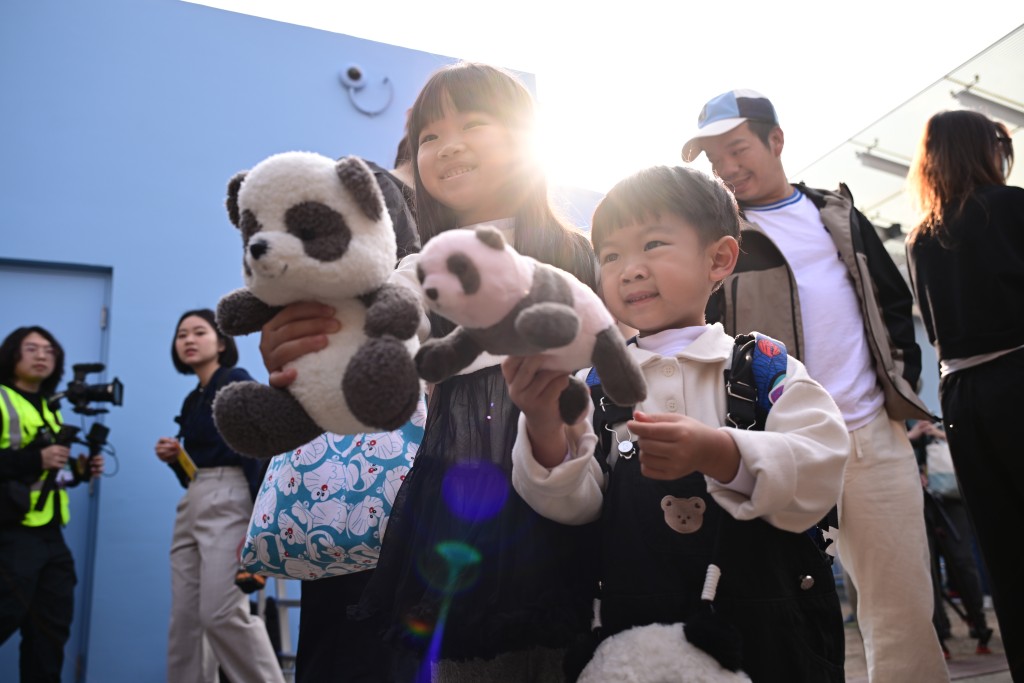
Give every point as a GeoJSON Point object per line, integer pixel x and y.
{"type": "Point", "coordinates": [707, 343]}
{"type": "Point", "coordinates": [670, 342]}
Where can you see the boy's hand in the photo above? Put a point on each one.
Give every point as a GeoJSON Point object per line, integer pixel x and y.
{"type": "Point", "coordinates": [673, 446]}
{"type": "Point", "coordinates": [535, 392]}
{"type": "Point", "coordinates": [298, 329]}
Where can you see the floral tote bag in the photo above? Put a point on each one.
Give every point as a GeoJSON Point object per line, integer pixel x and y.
{"type": "Point", "coordinates": [323, 508]}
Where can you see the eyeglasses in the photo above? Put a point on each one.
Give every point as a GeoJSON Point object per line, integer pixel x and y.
{"type": "Point", "coordinates": [1005, 144]}
{"type": "Point", "coordinates": [33, 349]}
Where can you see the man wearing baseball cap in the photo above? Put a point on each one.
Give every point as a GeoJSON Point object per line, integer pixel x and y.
{"type": "Point", "coordinates": [813, 273]}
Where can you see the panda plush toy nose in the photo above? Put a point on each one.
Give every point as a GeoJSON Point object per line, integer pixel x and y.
{"type": "Point", "coordinates": [258, 249]}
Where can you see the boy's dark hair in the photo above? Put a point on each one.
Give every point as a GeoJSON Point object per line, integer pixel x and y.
{"type": "Point", "coordinates": [10, 356]}
{"type": "Point", "coordinates": [227, 358]}
{"type": "Point", "coordinates": [701, 200]}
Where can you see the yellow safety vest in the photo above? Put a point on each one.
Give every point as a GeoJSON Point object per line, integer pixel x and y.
{"type": "Point", "coordinates": [21, 422]}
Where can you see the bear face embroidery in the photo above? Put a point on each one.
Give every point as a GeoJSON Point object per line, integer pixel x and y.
{"type": "Point", "coordinates": [684, 515]}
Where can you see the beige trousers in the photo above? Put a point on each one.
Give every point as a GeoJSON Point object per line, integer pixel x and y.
{"type": "Point", "coordinates": [883, 547]}
{"type": "Point", "coordinates": [210, 618]}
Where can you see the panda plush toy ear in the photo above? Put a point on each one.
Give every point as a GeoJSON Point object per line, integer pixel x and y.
{"type": "Point", "coordinates": [508, 304]}
{"type": "Point", "coordinates": [234, 185]}
{"type": "Point", "coordinates": [316, 229]}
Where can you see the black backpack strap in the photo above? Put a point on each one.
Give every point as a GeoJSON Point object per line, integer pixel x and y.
{"type": "Point", "coordinates": [606, 414]}
{"type": "Point", "coordinates": [740, 388]}
{"type": "Point", "coordinates": [745, 409]}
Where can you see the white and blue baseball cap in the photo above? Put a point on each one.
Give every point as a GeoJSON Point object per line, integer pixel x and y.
{"type": "Point", "coordinates": [723, 113]}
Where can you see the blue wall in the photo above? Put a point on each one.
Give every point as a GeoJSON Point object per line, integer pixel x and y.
{"type": "Point", "coordinates": [122, 122]}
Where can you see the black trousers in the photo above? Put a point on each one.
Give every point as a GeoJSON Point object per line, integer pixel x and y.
{"type": "Point", "coordinates": [331, 646]}
{"type": "Point", "coordinates": [37, 596]}
{"type": "Point", "coordinates": [951, 536]}
{"type": "Point", "coordinates": [982, 411]}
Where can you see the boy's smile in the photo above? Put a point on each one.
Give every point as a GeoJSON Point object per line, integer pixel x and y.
{"type": "Point", "coordinates": [750, 167]}
{"type": "Point", "coordinates": [656, 274]}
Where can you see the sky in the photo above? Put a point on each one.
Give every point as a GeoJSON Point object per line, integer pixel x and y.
{"type": "Point", "coordinates": [620, 84]}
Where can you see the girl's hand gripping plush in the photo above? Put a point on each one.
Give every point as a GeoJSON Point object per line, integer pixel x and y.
{"type": "Point", "coordinates": [314, 229]}
{"type": "Point", "coordinates": [509, 304]}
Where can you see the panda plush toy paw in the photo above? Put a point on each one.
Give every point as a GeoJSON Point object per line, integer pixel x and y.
{"type": "Point", "coordinates": [316, 229]}
{"type": "Point", "coordinates": [509, 304]}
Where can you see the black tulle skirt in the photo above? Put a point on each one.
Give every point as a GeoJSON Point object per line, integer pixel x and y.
{"type": "Point", "coordinates": [467, 569]}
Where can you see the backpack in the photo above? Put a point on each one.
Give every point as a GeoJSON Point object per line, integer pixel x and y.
{"type": "Point", "coordinates": [754, 380]}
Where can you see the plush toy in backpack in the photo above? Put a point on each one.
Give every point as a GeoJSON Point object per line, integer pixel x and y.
{"type": "Point", "coordinates": [657, 653]}
{"type": "Point", "coordinates": [509, 304]}
{"type": "Point", "coordinates": [316, 229]}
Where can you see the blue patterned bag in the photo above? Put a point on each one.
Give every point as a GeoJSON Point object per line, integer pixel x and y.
{"type": "Point", "coordinates": [323, 508]}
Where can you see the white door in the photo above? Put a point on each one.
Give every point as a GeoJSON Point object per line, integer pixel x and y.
{"type": "Point", "coordinates": [72, 302]}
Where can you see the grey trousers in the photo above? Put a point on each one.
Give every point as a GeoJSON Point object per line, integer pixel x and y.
{"type": "Point", "coordinates": [210, 617]}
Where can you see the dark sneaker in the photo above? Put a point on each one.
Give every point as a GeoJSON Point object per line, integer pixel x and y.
{"type": "Point", "coordinates": [983, 637]}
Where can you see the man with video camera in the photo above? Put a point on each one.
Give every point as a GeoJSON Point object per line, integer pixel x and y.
{"type": "Point", "coordinates": [37, 572]}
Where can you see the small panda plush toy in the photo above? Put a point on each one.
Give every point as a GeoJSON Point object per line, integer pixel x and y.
{"type": "Point", "coordinates": [316, 229]}
{"type": "Point", "coordinates": [509, 304]}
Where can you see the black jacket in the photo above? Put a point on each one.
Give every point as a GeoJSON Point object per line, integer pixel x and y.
{"type": "Point", "coordinates": [761, 295]}
{"type": "Point", "coordinates": [971, 292]}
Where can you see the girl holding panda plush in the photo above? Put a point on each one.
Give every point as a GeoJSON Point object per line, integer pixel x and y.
{"type": "Point", "coordinates": [470, 578]}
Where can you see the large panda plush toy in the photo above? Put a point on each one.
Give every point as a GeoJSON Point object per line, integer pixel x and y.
{"type": "Point", "coordinates": [316, 229]}
{"type": "Point", "coordinates": [509, 304]}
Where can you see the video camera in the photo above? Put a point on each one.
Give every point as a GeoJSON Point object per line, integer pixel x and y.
{"type": "Point", "coordinates": [96, 439]}
{"type": "Point", "coordinates": [80, 394]}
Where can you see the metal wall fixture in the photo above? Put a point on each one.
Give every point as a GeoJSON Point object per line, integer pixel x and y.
{"type": "Point", "coordinates": [880, 163]}
{"type": "Point", "coordinates": [996, 110]}
{"type": "Point", "coordinates": [368, 98]}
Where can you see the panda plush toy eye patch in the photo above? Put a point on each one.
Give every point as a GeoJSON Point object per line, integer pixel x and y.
{"type": "Point", "coordinates": [315, 229]}
{"type": "Point", "coordinates": [509, 304]}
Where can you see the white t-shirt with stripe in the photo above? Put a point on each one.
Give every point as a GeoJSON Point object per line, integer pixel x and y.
{"type": "Point", "coordinates": [836, 349]}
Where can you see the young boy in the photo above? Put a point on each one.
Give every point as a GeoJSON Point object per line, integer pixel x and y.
{"type": "Point", "coordinates": [691, 491]}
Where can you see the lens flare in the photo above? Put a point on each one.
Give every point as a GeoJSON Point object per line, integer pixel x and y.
{"type": "Point", "coordinates": [458, 557]}
{"type": "Point", "coordinates": [475, 491]}
{"type": "Point", "coordinates": [418, 628]}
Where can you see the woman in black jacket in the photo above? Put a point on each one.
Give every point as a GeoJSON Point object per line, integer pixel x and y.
{"type": "Point", "coordinates": [209, 614]}
{"type": "Point", "coordinates": [966, 262]}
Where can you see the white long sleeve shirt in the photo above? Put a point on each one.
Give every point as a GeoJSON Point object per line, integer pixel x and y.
{"type": "Point", "coordinates": [790, 474]}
